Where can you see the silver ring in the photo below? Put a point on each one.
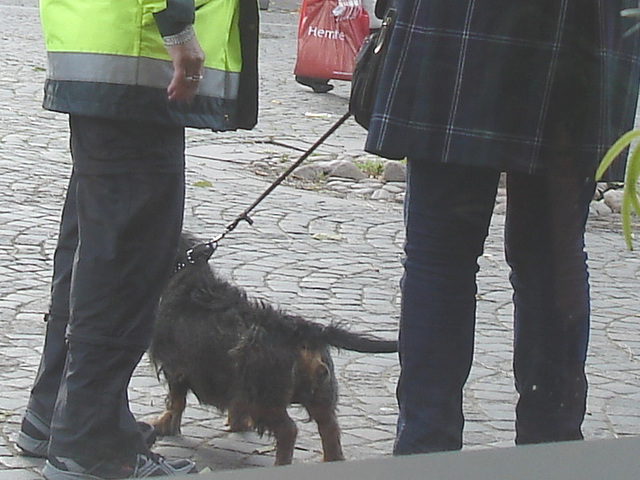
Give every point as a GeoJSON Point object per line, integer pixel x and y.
{"type": "Point", "coordinates": [194, 78]}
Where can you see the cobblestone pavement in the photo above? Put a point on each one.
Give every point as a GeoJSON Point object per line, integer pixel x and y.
{"type": "Point", "coordinates": [313, 253]}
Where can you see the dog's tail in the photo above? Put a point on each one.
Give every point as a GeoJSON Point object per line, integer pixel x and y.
{"type": "Point", "coordinates": [346, 340]}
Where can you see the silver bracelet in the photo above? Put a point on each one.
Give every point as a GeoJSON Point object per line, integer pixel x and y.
{"type": "Point", "coordinates": [179, 38]}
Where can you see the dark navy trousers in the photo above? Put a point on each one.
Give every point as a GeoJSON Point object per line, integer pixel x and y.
{"type": "Point", "coordinates": [118, 237]}
{"type": "Point", "coordinates": [448, 209]}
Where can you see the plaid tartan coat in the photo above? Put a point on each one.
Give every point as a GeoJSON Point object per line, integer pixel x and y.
{"type": "Point", "coordinates": [513, 85]}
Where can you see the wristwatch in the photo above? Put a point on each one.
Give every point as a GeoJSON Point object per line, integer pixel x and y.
{"type": "Point", "coordinates": [179, 38]}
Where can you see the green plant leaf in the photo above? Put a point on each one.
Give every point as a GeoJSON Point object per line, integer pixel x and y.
{"type": "Point", "coordinates": [616, 149]}
{"type": "Point", "coordinates": [630, 202]}
{"type": "Point", "coordinates": [203, 184]}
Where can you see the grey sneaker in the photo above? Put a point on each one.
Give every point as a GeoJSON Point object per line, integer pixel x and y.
{"type": "Point", "coordinates": [33, 438]}
{"type": "Point", "coordinates": [140, 466]}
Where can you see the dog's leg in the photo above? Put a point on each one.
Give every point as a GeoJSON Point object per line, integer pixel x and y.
{"type": "Point", "coordinates": [168, 423]}
{"type": "Point", "coordinates": [239, 418]}
{"type": "Point", "coordinates": [325, 417]}
{"type": "Point", "coordinates": [279, 423]}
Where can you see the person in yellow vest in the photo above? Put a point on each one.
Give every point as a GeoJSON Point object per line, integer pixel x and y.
{"type": "Point", "coordinates": [131, 75]}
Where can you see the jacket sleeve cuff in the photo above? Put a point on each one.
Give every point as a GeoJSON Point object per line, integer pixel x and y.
{"type": "Point", "coordinates": [176, 17]}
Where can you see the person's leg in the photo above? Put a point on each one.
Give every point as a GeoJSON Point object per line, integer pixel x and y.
{"type": "Point", "coordinates": [33, 437]}
{"type": "Point", "coordinates": [447, 214]}
{"type": "Point", "coordinates": [544, 242]}
{"type": "Point", "coordinates": [130, 194]}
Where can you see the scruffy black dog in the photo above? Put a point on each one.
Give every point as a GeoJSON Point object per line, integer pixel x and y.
{"type": "Point", "coordinates": [248, 359]}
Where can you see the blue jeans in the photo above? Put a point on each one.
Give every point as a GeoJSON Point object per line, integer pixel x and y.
{"type": "Point", "coordinates": [448, 209]}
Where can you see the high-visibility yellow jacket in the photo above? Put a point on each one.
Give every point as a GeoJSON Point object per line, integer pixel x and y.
{"type": "Point", "coordinates": [106, 58]}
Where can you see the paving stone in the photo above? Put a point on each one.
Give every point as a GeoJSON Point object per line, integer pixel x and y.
{"type": "Point", "coordinates": [349, 273]}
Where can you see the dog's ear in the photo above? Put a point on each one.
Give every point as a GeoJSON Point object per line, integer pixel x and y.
{"type": "Point", "coordinates": [312, 364]}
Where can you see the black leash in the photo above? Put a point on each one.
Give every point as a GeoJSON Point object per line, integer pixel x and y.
{"type": "Point", "coordinates": [204, 251]}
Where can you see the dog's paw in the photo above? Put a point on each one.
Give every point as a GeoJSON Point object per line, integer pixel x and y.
{"type": "Point", "coordinates": [166, 425]}
{"type": "Point", "coordinates": [236, 422]}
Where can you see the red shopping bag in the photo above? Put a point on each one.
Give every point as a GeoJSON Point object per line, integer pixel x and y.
{"type": "Point", "coordinates": [327, 47]}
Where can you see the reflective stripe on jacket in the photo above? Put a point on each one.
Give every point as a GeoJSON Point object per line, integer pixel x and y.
{"type": "Point", "coordinates": [107, 59]}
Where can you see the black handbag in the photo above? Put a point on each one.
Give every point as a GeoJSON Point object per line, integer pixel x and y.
{"type": "Point", "coordinates": [366, 73]}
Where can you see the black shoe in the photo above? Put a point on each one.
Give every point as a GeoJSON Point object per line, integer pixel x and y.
{"type": "Point", "coordinates": [140, 466]}
{"type": "Point", "coordinates": [319, 85]}
{"type": "Point", "coordinates": [33, 438]}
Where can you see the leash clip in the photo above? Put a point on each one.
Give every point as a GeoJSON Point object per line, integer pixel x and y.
{"type": "Point", "coordinates": [198, 254]}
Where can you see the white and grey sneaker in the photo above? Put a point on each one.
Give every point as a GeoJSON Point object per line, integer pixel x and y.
{"type": "Point", "coordinates": [140, 466]}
